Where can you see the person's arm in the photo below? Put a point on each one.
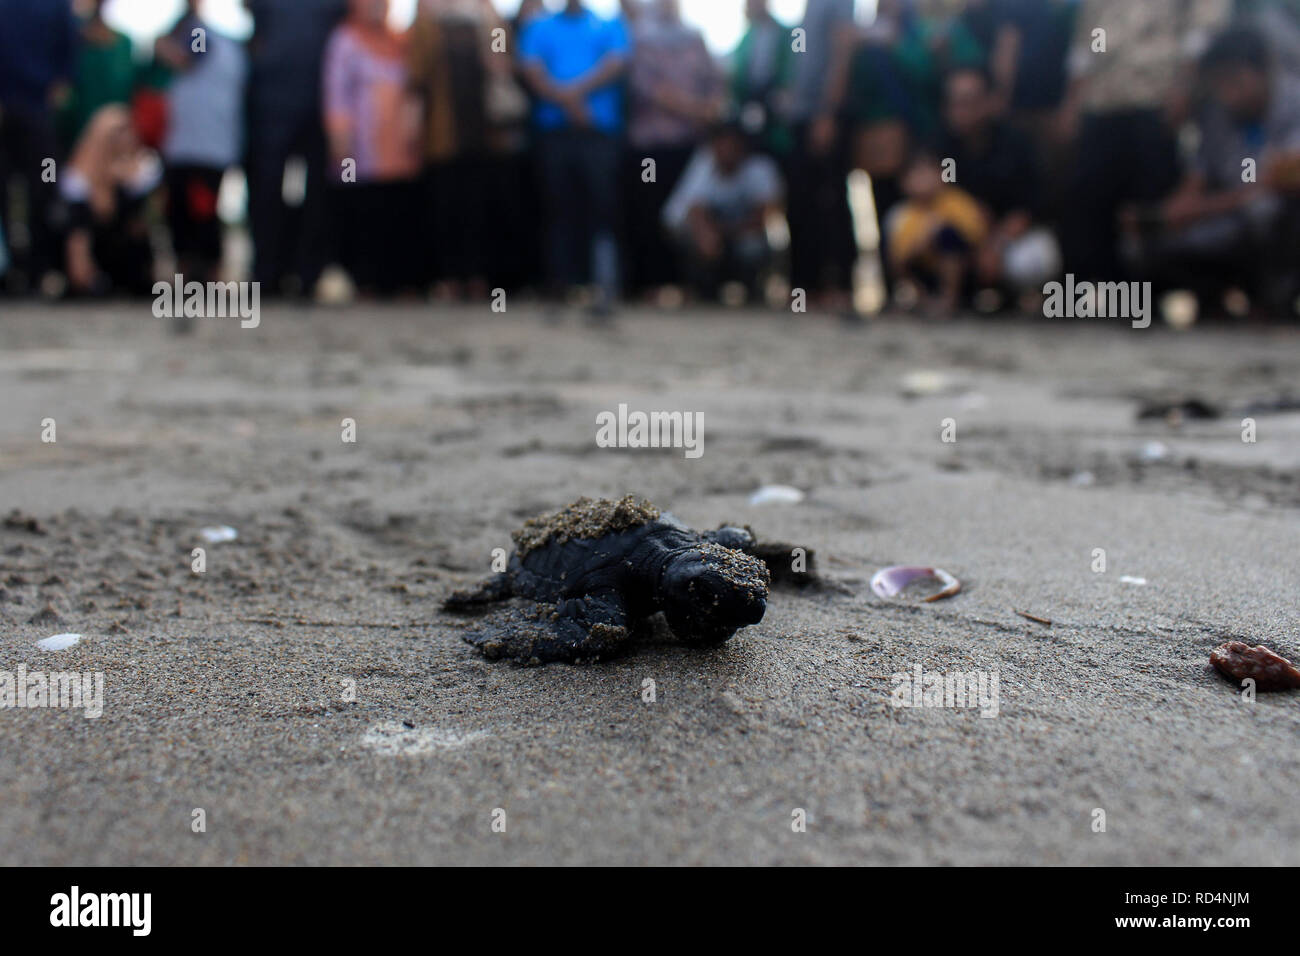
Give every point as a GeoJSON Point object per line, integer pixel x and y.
{"type": "Point", "coordinates": [766, 195]}
{"type": "Point", "coordinates": [533, 69]}
{"type": "Point", "coordinates": [540, 82]}
{"type": "Point", "coordinates": [336, 98]}
{"type": "Point", "coordinates": [1281, 171]}
{"type": "Point", "coordinates": [1203, 18]}
{"type": "Point", "coordinates": [837, 80]}
{"type": "Point", "coordinates": [1080, 64]}
{"type": "Point", "coordinates": [611, 67]}
{"type": "Point", "coordinates": [712, 85]}
{"type": "Point", "coordinates": [701, 104]}
{"type": "Point", "coordinates": [609, 70]}
{"type": "Point", "coordinates": [1194, 201]}
{"type": "Point", "coordinates": [173, 51]}
{"type": "Point", "coordinates": [67, 41]}
{"type": "Point", "coordinates": [421, 48]}
{"type": "Point", "coordinates": [844, 44]}
{"type": "Point", "coordinates": [82, 270]}
{"type": "Point", "coordinates": [1004, 62]}
{"type": "Point", "coordinates": [702, 227]}
{"type": "Point", "coordinates": [688, 192]}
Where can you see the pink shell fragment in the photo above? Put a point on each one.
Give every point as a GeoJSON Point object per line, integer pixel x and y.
{"type": "Point", "coordinates": [890, 582]}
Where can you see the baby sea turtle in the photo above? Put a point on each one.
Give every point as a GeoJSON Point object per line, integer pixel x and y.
{"type": "Point", "coordinates": [597, 568]}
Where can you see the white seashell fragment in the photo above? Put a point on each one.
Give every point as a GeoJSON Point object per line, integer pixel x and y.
{"type": "Point", "coordinates": [1154, 451]}
{"type": "Point", "coordinates": [219, 534]}
{"type": "Point", "coordinates": [923, 382]}
{"type": "Point", "coordinates": [394, 739]}
{"type": "Point", "coordinates": [890, 582]}
{"type": "Point", "coordinates": [1130, 579]}
{"type": "Point", "coordinates": [59, 642]}
{"type": "Point", "coordinates": [776, 495]}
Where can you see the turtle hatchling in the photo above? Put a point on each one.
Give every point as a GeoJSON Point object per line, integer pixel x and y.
{"type": "Point", "coordinates": [588, 574]}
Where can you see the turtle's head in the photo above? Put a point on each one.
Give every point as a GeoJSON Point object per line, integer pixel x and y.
{"type": "Point", "coordinates": [710, 592]}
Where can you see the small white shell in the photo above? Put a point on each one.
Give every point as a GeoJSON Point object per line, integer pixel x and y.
{"type": "Point", "coordinates": [220, 533]}
{"type": "Point", "coordinates": [776, 495]}
{"type": "Point", "coordinates": [59, 642]}
{"type": "Point", "coordinates": [890, 582]}
{"type": "Point", "coordinates": [1153, 451]}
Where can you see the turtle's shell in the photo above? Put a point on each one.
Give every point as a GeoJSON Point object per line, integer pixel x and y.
{"type": "Point", "coordinates": [586, 518]}
{"type": "Point", "coordinates": [597, 544]}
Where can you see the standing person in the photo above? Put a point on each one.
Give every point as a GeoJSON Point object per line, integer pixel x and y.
{"type": "Point", "coordinates": [995, 163]}
{"type": "Point", "coordinates": [205, 132]}
{"type": "Point", "coordinates": [521, 246]}
{"type": "Point", "coordinates": [1123, 108]}
{"type": "Point", "coordinates": [373, 125]}
{"type": "Point", "coordinates": [38, 43]}
{"type": "Point", "coordinates": [463, 89]}
{"type": "Point", "coordinates": [676, 92]}
{"type": "Point", "coordinates": [823, 250]}
{"type": "Point", "coordinates": [762, 66]}
{"type": "Point", "coordinates": [1028, 43]}
{"type": "Point", "coordinates": [284, 122]}
{"type": "Point", "coordinates": [105, 73]}
{"type": "Point", "coordinates": [574, 61]}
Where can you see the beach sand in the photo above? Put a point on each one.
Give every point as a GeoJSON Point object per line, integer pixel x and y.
{"type": "Point", "coordinates": [307, 694]}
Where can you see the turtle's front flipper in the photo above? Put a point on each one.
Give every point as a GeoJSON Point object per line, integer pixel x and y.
{"type": "Point", "coordinates": [731, 536]}
{"type": "Point", "coordinates": [787, 563]}
{"type": "Point", "coordinates": [578, 629]}
{"type": "Point", "coordinates": [489, 591]}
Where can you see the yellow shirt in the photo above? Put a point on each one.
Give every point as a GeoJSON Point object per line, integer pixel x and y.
{"type": "Point", "coordinates": [915, 223]}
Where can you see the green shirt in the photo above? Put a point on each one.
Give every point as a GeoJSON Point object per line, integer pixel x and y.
{"type": "Point", "coordinates": [907, 84]}
{"type": "Point", "coordinates": [106, 74]}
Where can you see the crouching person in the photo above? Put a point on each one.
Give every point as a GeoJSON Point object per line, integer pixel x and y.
{"type": "Point", "coordinates": [934, 234]}
{"type": "Point", "coordinates": [1235, 219]}
{"type": "Point", "coordinates": [109, 180]}
{"type": "Point", "coordinates": [718, 214]}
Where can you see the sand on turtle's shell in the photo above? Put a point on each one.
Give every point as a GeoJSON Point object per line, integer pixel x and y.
{"type": "Point", "coordinates": [585, 518]}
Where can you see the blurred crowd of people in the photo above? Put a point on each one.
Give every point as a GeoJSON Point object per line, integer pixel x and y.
{"type": "Point", "coordinates": [1006, 142]}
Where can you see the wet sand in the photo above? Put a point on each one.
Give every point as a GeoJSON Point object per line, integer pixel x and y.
{"type": "Point", "coordinates": [230, 690]}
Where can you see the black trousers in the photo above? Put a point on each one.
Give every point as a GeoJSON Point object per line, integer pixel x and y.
{"type": "Point", "coordinates": [288, 241]}
{"type": "Point", "coordinates": [513, 205]}
{"type": "Point", "coordinates": [380, 234]}
{"type": "Point", "coordinates": [26, 141]}
{"type": "Point", "coordinates": [192, 217]}
{"type": "Point", "coordinates": [1121, 158]}
{"type": "Point", "coordinates": [651, 260]}
{"type": "Point", "coordinates": [579, 175]}
{"type": "Point", "coordinates": [823, 249]}
{"type": "Point", "coordinates": [458, 224]}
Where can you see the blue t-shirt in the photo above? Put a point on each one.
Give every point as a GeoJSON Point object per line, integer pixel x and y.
{"type": "Point", "coordinates": [568, 46]}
